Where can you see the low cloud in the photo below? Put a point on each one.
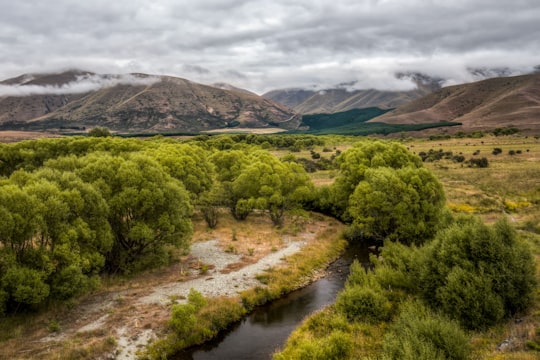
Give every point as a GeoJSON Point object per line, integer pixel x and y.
{"type": "Point", "coordinates": [82, 84]}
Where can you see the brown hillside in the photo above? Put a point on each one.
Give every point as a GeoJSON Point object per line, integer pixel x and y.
{"type": "Point", "coordinates": [166, 104]}
{"type": "Point", "coordinates": [483, 105]}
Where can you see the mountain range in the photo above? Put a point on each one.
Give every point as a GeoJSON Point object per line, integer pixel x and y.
{"type": "Point", "coordinates": [132, 103]}
{"type": "Point", "coordinates": [344, 97]}
{"type": "Point", "coordinates": [137, 103]}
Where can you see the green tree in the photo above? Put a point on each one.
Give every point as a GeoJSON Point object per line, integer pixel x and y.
{"type": "Point", "coordinates": [187, 163]}
{"type": "Point", "coordinates": [148, 209]}
{"type": "Point", "coordinates": [99, 132]}
{"type": "Point", "coordinates": [271, 185]}
{"type": "Point", "coordinates": [353, 164]}
{"type": "Point", "coordinates": [404, 204]}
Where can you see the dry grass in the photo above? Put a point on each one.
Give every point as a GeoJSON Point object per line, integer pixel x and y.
{"type": "Point", "coordinates": [15, 136]}
{"type": "Point", "coordinates": [509, 185]}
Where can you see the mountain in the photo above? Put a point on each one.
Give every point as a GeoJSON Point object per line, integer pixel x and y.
{"type": "Point", "coordinates": [132, 103]}
{"type": "Point", "coordinates": [487, 104]}
{"type": "Point", "coordinates": [342, 98]}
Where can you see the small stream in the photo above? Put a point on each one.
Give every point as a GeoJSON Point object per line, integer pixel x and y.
{"type": "Point", "coordinates": [267, 328]}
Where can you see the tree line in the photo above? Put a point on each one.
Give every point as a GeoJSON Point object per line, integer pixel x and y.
{"type": "Point", "coordinates": [73, 209]}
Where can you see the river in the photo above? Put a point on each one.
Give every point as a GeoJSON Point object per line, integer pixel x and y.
{"type": "Point", "coordinates": [267, 328]}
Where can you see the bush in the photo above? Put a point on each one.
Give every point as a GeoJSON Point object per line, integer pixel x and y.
{"type": "Point", "coordinates": [359, 303]}
{"type": "Point", "coordinates": [99, 132]}
{"type": "Point", "coordinates": [478, 274]}
{"type": "Point", "coordinates": [480, 163]}
{"type": "Point", "coordinates": [470, 298]}
{"type": "Point", "coordinates": [363, 299]}
{"type": "Point", "coordinates": [336, 346]}
{"type": "Point", "coordinates": [419, 334]}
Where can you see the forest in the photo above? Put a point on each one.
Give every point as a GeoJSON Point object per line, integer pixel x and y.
{"type": "Point", "coordinates": [80, 208]}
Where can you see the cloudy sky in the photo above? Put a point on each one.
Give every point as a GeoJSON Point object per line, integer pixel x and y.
{"type": "Point", "coordinates": [264, 45]}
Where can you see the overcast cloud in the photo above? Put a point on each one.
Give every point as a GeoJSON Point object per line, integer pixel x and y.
{"type": "Point", "coordinates": [264, 45]}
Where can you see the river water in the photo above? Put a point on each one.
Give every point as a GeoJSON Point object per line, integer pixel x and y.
{"type": "Point", "coordinates": [267, 328]}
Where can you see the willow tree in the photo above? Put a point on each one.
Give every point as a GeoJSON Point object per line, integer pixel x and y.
{"type": "Point", "coordinates": [271, 185]}
{"type": "Point", "coordinates": [404, 205]}
{"type": "Point", "coordinates": [353, 164]}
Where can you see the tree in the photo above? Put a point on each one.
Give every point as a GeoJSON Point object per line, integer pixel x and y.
{"type": "Point", "coordinates": [271, 185]}
{"type": "Point", "coordinates": [403, 205]}
{"type": "Point", "coordinates": [210, 202]}
{"type": "Point", "coordinates": [148, 209]}
{"type": "Point", "coordinates": [99, 132]}
{"type": "Point", "coordinates": [353, 164]}
{"type": "Point", "coordinates": [187, 163]}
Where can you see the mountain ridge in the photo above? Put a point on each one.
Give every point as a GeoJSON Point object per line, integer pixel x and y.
{"type": "Point", "coordinates": [344, 98]}
{"type": "Point", "coordinates": [133, 103]}
{"type": "Point", "coordinates": [496, 102]}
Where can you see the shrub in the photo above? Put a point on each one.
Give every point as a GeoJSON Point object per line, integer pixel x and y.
{"type": "Point", "coordinates": [477, 273]}
{"type": "Point", "coordinates": [419, 334]}
{"type": "Point", "coordinates": [359, 303]}
{"type": "Point", "coordinates": [480, 163]}
{"type": "Point", "coordinates": [336, 346]}
{"type": "Point", "coordinates": [470, 298]}
{"type": "Point", "coordinates": [99, 132]}
{"type": "Point", "coordinates": [363, 299]}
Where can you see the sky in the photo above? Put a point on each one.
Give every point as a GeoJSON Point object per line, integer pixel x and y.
{"type": "Point", "coordinates": [266, 45]}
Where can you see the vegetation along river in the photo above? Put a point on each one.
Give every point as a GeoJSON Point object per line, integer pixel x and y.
{"type": "Point", "coordinates": [266, 329]}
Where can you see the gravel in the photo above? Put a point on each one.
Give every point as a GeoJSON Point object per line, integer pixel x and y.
{"type": "Point", "coordinates": [215, 283]}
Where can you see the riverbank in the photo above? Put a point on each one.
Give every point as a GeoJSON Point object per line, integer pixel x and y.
{"type": "Point", "coordinates": [318, 248]}
{"type": "Point", "coordinates": [250, 262]}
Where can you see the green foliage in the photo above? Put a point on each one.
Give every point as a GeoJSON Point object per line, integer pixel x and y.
{"type": "Point", "coordinates": [505, 131]}
{"type": "Point", "coordinates": [359, 303]}
{"type": "Point", "coordinates": [99, 132]}
{"type": "Point", "coordinates": [419, 334]}
{"type": "Point", "coordinates": [363, 299]}
{"type": "Point", "coordinates": [25, 286]}
{"type": "Point", "coordinates": [470, 298]}
{"type": "Point", "coordinates": [478, 162]}
{"type": "Point", "coordinates": [403, 205]}
{"type": "Point", "coordinates": [186, 163]}
{"type": "Point", "coordinates": [269, 184]}
{"type": "Point", "coordinates": [337, 345]}
{"type": "Point", "coordinates": [195, 322]}
{"type": "Point", "coordinates": [353, 164]}
{"type": "Point", "coordinates": [479, 274]}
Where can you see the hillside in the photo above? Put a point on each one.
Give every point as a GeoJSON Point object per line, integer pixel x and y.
{"type": "Point", "coordinates": [342, 99]}
{"type": "Point", "coordinates": [132, 103]}
{"type": "Point", "coordinates": [483, 105]}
